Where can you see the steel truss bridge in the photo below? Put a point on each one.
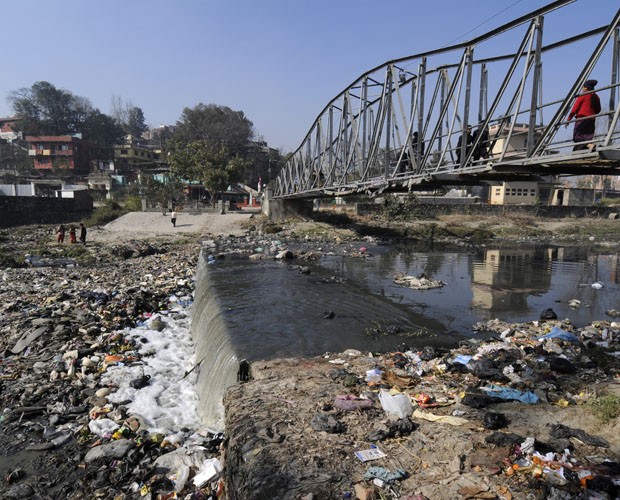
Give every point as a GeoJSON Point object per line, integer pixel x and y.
{"type": "Point", "coordinates": [401, 126]}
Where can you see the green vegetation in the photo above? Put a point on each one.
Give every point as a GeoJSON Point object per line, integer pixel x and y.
{"type": "Point", "coordinates": [9, 260]}
{"type": "Point", "coordinates": [102, 215]}
{"type": "Point", "coordinates": [44, 109]}
{"type": "Point", "coordinates": [606, 408]}
{"type": "Point", "coordinates": [402, 208]}
{"type": "Point", "coordinates": [210, 145]}
{"type": "Point", "coordinates": [133, 203]}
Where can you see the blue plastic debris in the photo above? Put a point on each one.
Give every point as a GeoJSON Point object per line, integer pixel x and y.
{"type": "Point", "coordinates": [384, 474]}
{"type": "Point", "coordinates": [462, 359]}
{"type": "Point", "coordinates": [501, 392]}
{"type": "Point", "coordinates": [557, 333]}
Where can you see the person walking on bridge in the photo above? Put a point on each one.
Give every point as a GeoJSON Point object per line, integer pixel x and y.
{"type": "Point", "coordinates": [585, 109]}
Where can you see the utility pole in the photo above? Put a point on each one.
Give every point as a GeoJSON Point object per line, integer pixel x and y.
{"type": "Point", "coordinates": [13, 154]}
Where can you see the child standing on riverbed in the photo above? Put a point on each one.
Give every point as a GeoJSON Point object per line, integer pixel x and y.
{"type": "Point", "coordinates": [60, 234]}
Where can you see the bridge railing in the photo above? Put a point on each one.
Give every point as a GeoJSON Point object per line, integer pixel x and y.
{"type": "Point", "coordinates": [409, 120]}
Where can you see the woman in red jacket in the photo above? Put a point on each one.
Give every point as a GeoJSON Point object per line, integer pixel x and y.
{"type": "Point", "coordinates": [585, 109]}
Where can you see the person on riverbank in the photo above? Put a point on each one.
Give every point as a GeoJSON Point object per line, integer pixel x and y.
{"type": "Point", "coordinates": [173, 218]}
{"type": "Point", "coordinates": [72, 235]}
{"type": "Point", "coordinates": [586, 107]}
{"type": "Point", "coordinates": [60, 234]}
{"type": "Point", "coordinates": [82, 233]}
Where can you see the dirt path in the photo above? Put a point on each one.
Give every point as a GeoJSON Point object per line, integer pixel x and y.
{"type": "Point", "coordinates": [146, 225]}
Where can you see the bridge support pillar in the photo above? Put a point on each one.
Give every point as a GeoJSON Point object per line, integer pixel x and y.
{"type": "Point", "coordinates": [285, 209]}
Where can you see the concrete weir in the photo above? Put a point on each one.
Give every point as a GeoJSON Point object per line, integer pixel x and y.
{"type": "Point", "coordinates": [218, 362]}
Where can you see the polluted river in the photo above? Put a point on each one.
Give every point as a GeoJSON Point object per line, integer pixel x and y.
{"type": "Point", "coordinates": [265, 309]}
{"type": "Point", "coordinates": [141, 351]}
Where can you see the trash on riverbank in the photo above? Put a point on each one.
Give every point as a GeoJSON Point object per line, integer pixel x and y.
{"type": "Point", "coordinates": [539, 439]}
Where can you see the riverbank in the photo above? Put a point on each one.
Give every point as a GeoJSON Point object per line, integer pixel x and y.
{"type": "Point", "coordinates": [127, 273]}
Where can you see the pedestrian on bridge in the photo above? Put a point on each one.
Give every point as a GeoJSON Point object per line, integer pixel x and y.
{"type": "Point", "coordinates": [585, 109]}
{"type": "Point", "coordinates": [467, 139]}
{"type": "Point", "coordinates": [481, 151]}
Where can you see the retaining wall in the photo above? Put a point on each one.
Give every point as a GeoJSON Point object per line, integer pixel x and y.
{"type": "Point", "coordinates": [23, 210]}
{"type": "Point", "coordinates": [431, 210]}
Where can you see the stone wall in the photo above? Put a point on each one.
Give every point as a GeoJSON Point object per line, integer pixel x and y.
{"type": "Point", "coordinates": [435, 210]}
{"type": "Point", "coordinates": [22, 210]}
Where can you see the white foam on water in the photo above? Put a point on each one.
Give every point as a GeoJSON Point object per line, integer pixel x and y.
{"type": "Point", "coordinates": [169, 401]}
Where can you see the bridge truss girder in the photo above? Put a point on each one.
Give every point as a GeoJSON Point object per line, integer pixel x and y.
{"type": "Point", "coordinates": [403, 124]}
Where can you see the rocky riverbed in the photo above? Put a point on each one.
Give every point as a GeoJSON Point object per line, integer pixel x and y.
{"type": "Point", "coordinates": [314, 428]}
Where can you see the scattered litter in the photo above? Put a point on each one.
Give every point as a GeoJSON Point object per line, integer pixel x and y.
{"type": "Point", "coordinates": [418, 283]}
{"type": "Point", "coordinates": [558, 333]}
{"type": "Point", "coordinates": [370, 454]}
{"type": "Point", "coordinates": [511, 394]}
{"type": "Point", "coordinates": [385, 475]}
{"type": "Point", "coordinates": [350, 402]}
{"type": "Point", "coordinates": [396, 404]}
{"type": "Point", "coordinates": [446, 419]}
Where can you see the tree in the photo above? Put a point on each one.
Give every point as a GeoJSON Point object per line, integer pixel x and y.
{"type": "Point", "coordinates": [211, 145]}
{"type": "Point", "coordinates": [135, 123]}
{"type": "Point", "coordinates": [129, 117]}
{"type": "Point", "coordinates": [216, 126]}
{"type": "Point", "coordinates": [161, 193]}
{"type": "Point", "coordinates": [211, 164]}
{"type": "Point", "coordinates": [103, 130]}
{"type": "Point", "coordinates": [44, 109]}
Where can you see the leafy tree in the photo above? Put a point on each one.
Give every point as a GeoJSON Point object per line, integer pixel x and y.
{"type": "Point", "coordinates": [44, 109]}
{"type": "Point", "coordinates": [102, 129]}
{"type": "Point", "coordinates": [211, 145]}
{"type": "Point", "coordinates": [14, 158]}
{"type": "Point", "coordinates": [216, 126]}
{"type": "Point", "coordinates": [135, 123]}
{"type": "Point", "coordinates": [211, 164]}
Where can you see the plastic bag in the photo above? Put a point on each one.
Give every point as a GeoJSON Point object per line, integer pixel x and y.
{"type": "Point", "coordinates": [374, 375]}
{"type": "Point", "coordinates": [397, 404]}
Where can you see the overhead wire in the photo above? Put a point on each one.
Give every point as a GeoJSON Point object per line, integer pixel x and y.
{"type": "Point", "coordinates": [483, 22]}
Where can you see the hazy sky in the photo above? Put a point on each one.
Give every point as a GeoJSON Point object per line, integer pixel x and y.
{"type": "Point", "coordinates": [278, 61]}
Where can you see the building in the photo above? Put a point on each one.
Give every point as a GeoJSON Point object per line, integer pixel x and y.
{"type": "Point", "coordinates": [7, 129]}
{"type": "Point", "coordinates": [69, 152]}
{"type": "Point", "coordinates": [576, 197]}
{"type": "Point", "coordinates": [105, 185]}
{"type": "Point", "coordinates": [134, 157]}
{"type": "Point", "coordinates": [516, 146]}
{"type": "Point", "coordinates": [514, 193]}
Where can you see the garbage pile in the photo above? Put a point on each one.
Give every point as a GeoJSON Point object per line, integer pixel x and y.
{"type": "Point", "coordinates": [507, 417]}
{"type": "Point", "coordinates": [62, 329]}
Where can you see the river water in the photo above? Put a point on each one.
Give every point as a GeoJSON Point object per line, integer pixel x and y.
{"type": "Point", "coordinates": [273, 310]}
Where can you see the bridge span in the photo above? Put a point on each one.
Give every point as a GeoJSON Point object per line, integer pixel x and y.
{"type": "Point", "coordinates": [468, 114]}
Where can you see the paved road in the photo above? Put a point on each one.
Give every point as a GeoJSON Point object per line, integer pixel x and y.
{"type": "Point", "coordinates": [141, 225]}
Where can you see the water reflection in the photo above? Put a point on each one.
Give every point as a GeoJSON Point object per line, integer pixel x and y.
{"type": "Point", "coordinates": [274, 310]}
{"type": "Point", "coordinates": [509, 284]}
{"type": "Point", "coordinates": [502, 280]}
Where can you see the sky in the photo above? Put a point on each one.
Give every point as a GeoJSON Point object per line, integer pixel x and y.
{"type": "Point", "coordinates": [278, 61]}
